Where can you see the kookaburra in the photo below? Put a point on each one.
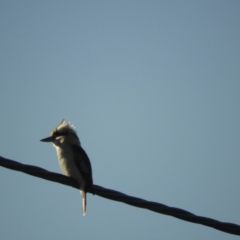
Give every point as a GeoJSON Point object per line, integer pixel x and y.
{"type": "Point", "coordinates": [72, 159]}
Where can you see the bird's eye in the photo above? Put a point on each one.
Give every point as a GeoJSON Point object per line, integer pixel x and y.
{"type": "Point", "coordinates": [57, 134]}
{"type": "Point", "coordinates": [63, 133]}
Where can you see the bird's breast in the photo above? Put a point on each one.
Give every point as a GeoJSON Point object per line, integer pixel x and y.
{"type": "Point", "coordinates": [66, 161]}
{"type": "Point", "coordinates": [67, 164]}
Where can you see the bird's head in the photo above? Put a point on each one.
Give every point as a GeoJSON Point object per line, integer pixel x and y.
{"type": "Point", "coordinates": [64, 133]}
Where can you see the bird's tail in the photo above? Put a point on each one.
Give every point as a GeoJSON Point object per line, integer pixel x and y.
{"type": "Point", "coordinates": [84, 202]}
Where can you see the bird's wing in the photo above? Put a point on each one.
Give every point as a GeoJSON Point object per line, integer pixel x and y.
{"type": "Point", "coordinates": [84, 165]}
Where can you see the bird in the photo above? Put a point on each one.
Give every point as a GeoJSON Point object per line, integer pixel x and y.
{"type": "Point", "coordinates": [73, 160]}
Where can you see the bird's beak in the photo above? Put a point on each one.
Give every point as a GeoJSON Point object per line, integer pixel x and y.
{"type": "Point", "coordinates": [48, 139]}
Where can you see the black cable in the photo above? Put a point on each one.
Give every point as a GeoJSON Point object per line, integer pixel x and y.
{"type": "Point", "coordinates": [120, 197]}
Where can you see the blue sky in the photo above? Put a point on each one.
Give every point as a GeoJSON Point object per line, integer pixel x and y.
{"type": "Point", "coordinates": [153, 89]}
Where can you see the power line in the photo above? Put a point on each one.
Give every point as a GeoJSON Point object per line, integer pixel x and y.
{"type": "Point", "coordinates": [120, 197]}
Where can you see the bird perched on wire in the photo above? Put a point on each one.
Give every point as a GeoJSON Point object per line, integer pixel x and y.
{"type": "Point", "coordinates": [72, 159]}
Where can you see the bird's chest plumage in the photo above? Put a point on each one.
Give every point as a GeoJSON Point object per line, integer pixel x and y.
{"type": "Point", "coordinates": [67, 164]}
{"type": "Point", "coordinates": [66, 161]}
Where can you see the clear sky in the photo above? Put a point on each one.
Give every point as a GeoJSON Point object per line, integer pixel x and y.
{"type": "Point", "coordinates": [153, 88]}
